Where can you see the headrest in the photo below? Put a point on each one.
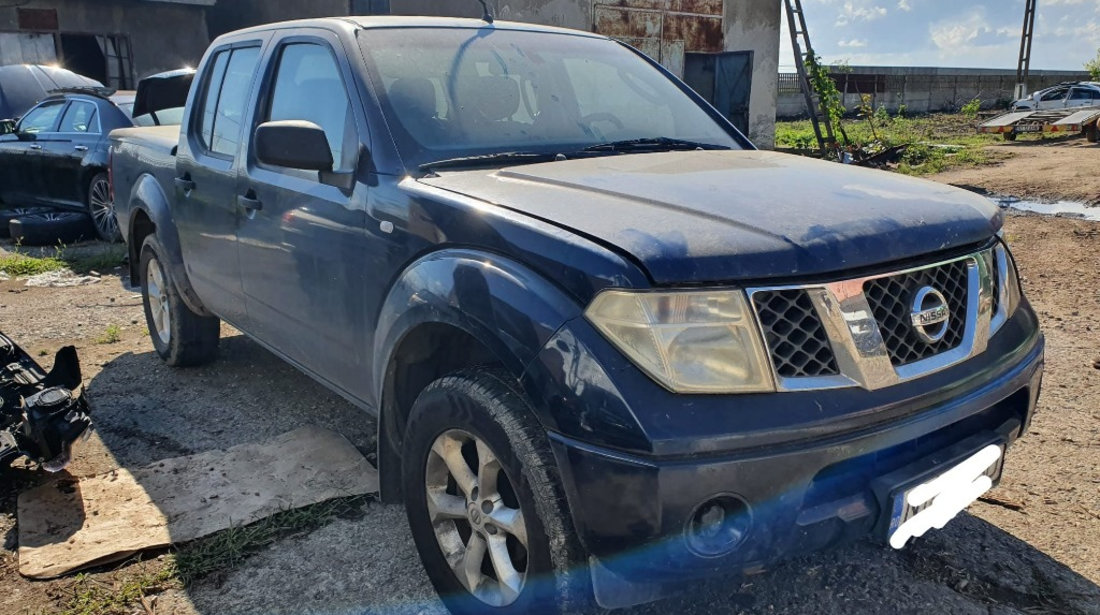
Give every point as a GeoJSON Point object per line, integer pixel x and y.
{"type": "Point", "coordinates": [497, 98]}
{"type": "Point", "coordinates": [416, 93]}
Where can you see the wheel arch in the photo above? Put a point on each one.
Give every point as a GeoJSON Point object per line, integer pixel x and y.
{"type": "Point", "coordinates": [452, 310]}
{"type": "Point", "coordinates": [149, 213]}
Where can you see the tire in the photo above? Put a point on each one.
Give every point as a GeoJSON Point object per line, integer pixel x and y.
{"type": "Point", "coordinates": [48, 229]}
{"type": "Point", "coordinates": [181, 337]}
{"type": "Point", "coordinates": [7, 215]}
{"type": "Point", "coordinates": [1092, 132]}
{"type": "Point", "coordinates": [472, 416]}
{"type": "Point", "coordinates": [1010, 136]}
{"type": "Point", "coordinates": [102, 210]}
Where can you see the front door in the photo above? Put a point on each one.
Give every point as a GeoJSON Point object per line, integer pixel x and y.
{"type": "Point", "coordinates": [302, 237]}
{"type": "Point", "coordinates": [20, 155]}
{"type": "Point", "coordinates": [725, 81]}
{"type": "Point", "coordinates": [205, 208]}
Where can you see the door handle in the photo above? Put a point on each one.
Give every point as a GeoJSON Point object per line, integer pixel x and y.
{"type": "Point", "coordinates": [36, 146]}
{"type": "Point", "coordinates": [249, 203]}
{"type": "Point", "coordinates": [185, 183]}
{"type": "Point", "coordinates": [81, 148]}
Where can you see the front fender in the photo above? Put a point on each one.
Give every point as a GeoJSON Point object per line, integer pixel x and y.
{"type": "Point", "coordinates": [148, 197]}
{"type": "Point", "coordinates": [508, 307]}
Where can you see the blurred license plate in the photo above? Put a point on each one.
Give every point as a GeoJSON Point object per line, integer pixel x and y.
{"type": "Point", "coordinates": [933, 503]}
{"type": "Point", "coordinates": [1029, 128]}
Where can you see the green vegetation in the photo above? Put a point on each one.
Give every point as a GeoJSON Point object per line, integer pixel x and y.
{"type": "Point", "coordinates": [1093, 66]}
{"type": "Point", "coordinates": [111, 335]}
{"type": "Point", "coordinates": [220, 552]}
{"type": "Point", "coordinates": [971, 109]}
{"type": "Point", "coordinates": [22, 265]}
{"type": "Point", "coordinates": [21, 261]}
{"type": "Point", "coordinates": [936, 142]}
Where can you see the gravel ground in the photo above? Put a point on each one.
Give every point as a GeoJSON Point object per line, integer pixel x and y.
{"type": "Point", "coordinates": [1041, 555]}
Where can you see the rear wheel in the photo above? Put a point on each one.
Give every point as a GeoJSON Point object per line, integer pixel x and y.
{"type": "Point", "coordinates": [102, 209]}
{"type": "Point", "coordinates": [1010, 136]}
{"type": "Point", "coordinates": [1092, 132]}
{"type": "Point", "coordinates": [180, 336]}
{"type": "Point", "coordinates": [485, 503]}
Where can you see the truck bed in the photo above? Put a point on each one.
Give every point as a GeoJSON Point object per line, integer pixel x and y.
{"type": "Point", "coordinates": [136, 152]}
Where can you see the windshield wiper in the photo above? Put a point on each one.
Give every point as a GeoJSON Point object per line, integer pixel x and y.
{"type": "Point", "coordinates": [489, 159]}
{"type": "Point", "coordinates": [650, 144]}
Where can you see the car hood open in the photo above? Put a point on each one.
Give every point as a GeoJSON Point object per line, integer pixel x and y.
{"type": "Point", "coordinates": [718, 216]}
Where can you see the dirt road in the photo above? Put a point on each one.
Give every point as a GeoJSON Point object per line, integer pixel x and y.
{"type": "Point", "coordinates": [1048, 170]}
{"type": "Point", "coordinates": [1040, 554]}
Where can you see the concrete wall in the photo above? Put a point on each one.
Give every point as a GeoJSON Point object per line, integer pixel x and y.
{"type": "Point", "coordinates": [163, 36]}
{"type": "Point", "coordinates": [746, 24]}
{"type": "Point", "coordinates": [755, 25]}
{"type": "Point", "coordinates": [229, 15]}
{"type": "Point", "coordinates": [921, 90]}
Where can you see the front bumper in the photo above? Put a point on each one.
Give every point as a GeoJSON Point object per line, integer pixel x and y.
{"type": "Point", "coordinates": [633, 509]}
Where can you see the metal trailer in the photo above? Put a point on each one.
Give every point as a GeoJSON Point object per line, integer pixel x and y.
{"type": "Point", "coordinates": [1081, 119]}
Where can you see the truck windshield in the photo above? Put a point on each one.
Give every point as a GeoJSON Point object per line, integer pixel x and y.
{"type": "Point", "coordinates": [459, 93]}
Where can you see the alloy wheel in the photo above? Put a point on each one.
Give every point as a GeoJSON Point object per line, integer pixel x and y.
{"type": "Point", "coordinates": [102, 208]}
{"type": "Point", "coordinates": [159, 309]}
{"type": "Point", "coordinates": [477, 518]}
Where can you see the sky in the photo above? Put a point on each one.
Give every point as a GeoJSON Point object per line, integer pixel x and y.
{"type": "Point", "coordinates": [948, 33]}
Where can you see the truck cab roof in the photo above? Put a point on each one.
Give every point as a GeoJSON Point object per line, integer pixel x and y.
{"type": "Point", "coordinates": [397, 21]}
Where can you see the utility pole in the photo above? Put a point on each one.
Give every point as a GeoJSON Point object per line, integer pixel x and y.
{"type": "Point", "coordinates": [1024, 66]}
{"type": "Point", "coordinates": [800, 39]}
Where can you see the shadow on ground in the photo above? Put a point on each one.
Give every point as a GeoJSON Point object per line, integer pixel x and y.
{"type": "Point", "coordinates": [146, 411]}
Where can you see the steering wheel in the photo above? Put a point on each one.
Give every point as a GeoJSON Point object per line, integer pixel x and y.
{"type": "Point", "coordinates": [602, 117]}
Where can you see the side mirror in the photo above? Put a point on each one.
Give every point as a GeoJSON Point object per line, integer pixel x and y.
{"type": "Point", "coordinates": [7, 127]}
{"type": "Point", "coordinates": [293, 144]}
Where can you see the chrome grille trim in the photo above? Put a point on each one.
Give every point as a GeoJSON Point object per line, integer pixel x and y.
{"type": "Point", "coordinates": [856, 338]}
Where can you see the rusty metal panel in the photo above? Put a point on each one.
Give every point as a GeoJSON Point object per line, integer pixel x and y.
{"type": "Point", "coordinates": [700, 34]}
{"type": "Point", "coordinates": [624, 24]}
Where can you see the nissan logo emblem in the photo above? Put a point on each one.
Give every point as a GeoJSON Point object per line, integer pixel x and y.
{"type": "Point", "coordinates": [930, 315]}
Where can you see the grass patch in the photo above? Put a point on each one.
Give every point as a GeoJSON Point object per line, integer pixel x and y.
{"type": "Point", "coordinates": [94, 598]}
{"type": "Point", "coordinates": [923, 134]}
{"type": "Point", "coordinates": [22, 265]}
{"type": "Point", "coordinates": [220, 552]}
{"type": "Point", "coordinates": [111, 335]}
{"type": "Point", "coordinates": [229, 548]}
{"type": "Point", "coordinates": [102, 259]}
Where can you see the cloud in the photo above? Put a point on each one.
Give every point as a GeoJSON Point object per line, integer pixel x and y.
{"type": "Point", "coordinates": [859, 10]}
{"type": "Point", "coordinates": [855, 42]}
{"type": "Point", "coordinates": [903, 5]}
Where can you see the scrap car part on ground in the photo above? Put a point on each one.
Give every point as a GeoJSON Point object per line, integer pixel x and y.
{"type": "Point", "coordinates": [41, 414]}
{"type": "Point", "coordinates": [51, 228]}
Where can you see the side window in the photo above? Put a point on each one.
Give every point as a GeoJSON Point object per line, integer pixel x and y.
{"type": "Point", "coordinates": [226, 97]}
{"type": "Point", "coordinates": [80, 117]}
{"type": "Point", "coordinates": [1058, 94]}
{"type": "Point", "coordinates": [42, 118]}
{"type": "Point", "coordinates": [308, 86]}
{"type": "Point", "coordinates": [1081, 94]}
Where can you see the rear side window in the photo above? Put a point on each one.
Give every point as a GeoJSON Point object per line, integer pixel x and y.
{"type": "Point", "coordinates": [308, 86]}
{"type": "Point", "coordinates": [226, 96]}
{"type": "Point", "coordinates": [80, 118]}
{"type": "Point", "coordinates": [1081, 94]}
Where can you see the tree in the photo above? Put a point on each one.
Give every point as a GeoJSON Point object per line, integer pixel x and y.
{"type": "Point", "coordinates": [1093, 66]}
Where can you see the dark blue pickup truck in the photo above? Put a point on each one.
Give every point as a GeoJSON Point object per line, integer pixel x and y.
{"type": "Point", "coordinates": [611, 346]}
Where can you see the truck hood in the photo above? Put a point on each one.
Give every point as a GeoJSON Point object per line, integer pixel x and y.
{"type": "Point", "coordinates": [718, 216]}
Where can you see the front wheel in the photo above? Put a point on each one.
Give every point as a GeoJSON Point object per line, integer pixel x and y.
{"type": "Point", "coordinates": [180, 336]}
{"type": "Point", "coordinates": [485, 503]}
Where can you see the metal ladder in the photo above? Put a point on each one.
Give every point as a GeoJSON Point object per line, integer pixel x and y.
{"type": "Point", "coordinates": [1024, 66]}
{"type": "Point", "coordinates": [800, 39]}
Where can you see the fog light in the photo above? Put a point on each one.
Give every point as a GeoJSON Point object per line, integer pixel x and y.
{"type": "Point", "coordinates": [718, 526]}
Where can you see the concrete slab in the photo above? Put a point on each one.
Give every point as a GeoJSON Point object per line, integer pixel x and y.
{"type": "Point", "coordinates": [76, 523]}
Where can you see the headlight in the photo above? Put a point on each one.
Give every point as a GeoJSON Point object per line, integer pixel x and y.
{"type": "Point", "coordinates": [1007, 288]}
{"type": "Point", "coordinates": [689, 342]}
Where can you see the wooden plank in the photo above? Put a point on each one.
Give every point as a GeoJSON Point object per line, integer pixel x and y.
{"type": "Point", "coordinates": [71, 524]}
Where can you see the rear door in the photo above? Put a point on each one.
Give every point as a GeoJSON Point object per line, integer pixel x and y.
{"type": "Point", "coordinates": [1082, 97]}
{"type": "Point", "coordinates": [204, 206]}
{"type": "Point", "coordinates": [1054, 99]}
{"type": "Point", "coordinates": [302, 240]}
{"type": "Point", "coordinates": [63, 155]}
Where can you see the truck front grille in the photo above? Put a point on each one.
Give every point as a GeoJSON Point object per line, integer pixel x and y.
{"type": "Point", "coordinates": [891, 300]}
{"type": "Point", "coordinates": [796, 339]}
{"type": "Point", "coordinates": [863, 332]}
